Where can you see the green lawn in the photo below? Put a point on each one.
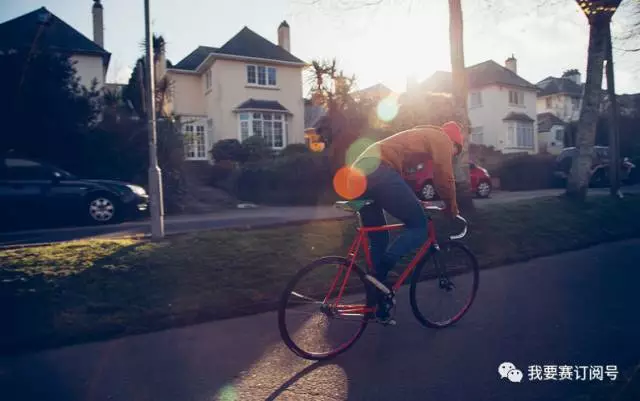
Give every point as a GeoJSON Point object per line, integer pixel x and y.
{"type": "Point", "coordinates": [95, 289]}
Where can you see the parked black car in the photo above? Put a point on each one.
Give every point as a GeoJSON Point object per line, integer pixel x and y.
{"type": "Point", "coordinates": [599, 165]}
{"type": "Point", "coordinates": [38, 193]}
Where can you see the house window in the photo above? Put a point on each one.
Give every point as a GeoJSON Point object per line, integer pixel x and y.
{"type": "Point", "coordinates": [261, 75]}
{"type": "Point", "coordinates": [476, 135]}
{"type": "Point", "coordinates": [560, 135]}
{"type": "Point", "coordinates": [523, 137]}
{"type": "Point", "coordinates": [207, 77]}
{"type": "Point", "coordinates": [549, 102]}
{"type": "Point", "coordinates": [271, 126]}
{"type": "Point", "coordinates": [195, 142]}
{"type": "Point", "coordinates": [475, 99]}
{"type": "Point", "coordinates": [516, 98]}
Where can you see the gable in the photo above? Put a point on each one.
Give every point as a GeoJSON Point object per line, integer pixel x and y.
{"type": "Point", "coordinates": [55, 34]}
{"type": "Point", "coordinates": [245, 43]}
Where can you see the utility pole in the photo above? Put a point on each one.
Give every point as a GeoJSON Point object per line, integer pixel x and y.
{"type": "Point", "coordinates": [614, 126]}
{"type": "Point", "coordinates": [155, 176]}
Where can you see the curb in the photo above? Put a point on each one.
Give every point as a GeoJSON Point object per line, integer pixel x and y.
{"type": "Point", "coordinates": [147, 236]}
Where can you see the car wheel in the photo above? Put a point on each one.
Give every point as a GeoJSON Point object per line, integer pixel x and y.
{"type": "Point", "coordinates": [103, 209]}
{"type": "Point", "coordinates": [428, 191]}
{"type": "Point", "coordinates": [484, 189]}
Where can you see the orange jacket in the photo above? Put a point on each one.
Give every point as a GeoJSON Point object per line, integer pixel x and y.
{"type": "Point", "coordinates": [428, 139]}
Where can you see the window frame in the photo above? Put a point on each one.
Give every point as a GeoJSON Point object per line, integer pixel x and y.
{"type": "Point", "coordinates": [475, 133]}
{"type": "Point", "coordinates": [208, 79]}
{"type": "Point", "coordinates": [519, 97]}
{"type": "Point", "coordinates": [269, 75]}
{"type": "Point", "coordinates": [249, 120]}
{"type": "Point", "coordinates": [478, 97]}
{"type": "Point", "coordinates": [192, 144]}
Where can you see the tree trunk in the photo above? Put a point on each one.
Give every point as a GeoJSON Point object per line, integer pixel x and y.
{"type": "Point", "coordinates": [614, 132]}
{"type": "Point", "coordinates": [578, 182]}
{"type": "Point", "coordinates": [460, 93]}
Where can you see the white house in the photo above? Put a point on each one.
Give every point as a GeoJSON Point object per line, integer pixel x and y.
{"type": "Point", "coordinates": [40, 29]}
{"type": "Point", "coordinates": [248, 86]}
{"type": "Point", "coordinates": [551, 131]}
{"type": "Point", "coordinates": [502, 105]}
{"type": "Point", "coordinates": [561, 96]}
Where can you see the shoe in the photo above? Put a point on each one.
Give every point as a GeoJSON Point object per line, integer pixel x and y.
{"type": "Point", "coordinates": [385, 305]}
{"type": "Point", "coordinates": [388, 321]}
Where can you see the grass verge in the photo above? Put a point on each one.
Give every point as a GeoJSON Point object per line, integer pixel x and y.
{"type": "Point", "coordinates": [96, 289]}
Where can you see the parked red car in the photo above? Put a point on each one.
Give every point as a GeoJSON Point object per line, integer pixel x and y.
{"type": "Point", "coordinates": [420, 179]}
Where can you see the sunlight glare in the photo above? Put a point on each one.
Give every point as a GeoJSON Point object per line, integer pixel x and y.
{"type": "Point", "coordinates": [388, 108]}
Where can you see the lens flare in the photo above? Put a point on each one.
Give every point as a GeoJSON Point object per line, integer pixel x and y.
{"type": "Point", "coordinates": [356, 149]}
{"type": "Point", "coordinates": [350, 183]}
{"type": "Point", "coordinates": [388, 108]}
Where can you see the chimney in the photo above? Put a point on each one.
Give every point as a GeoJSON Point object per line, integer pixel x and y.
{"type": "Point", "coordinates": [98, 23]}
{"type": "Point", "coordinates": [412, 83]}
{"type": "Point", "coordinates": [511, 64]}
{"type": "Point", "coordinates": [284, 39]}
{"type": "Point", "coordinates": [576, 77]}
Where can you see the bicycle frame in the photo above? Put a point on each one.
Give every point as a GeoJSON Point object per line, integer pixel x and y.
{"type": "Point", "coordinates": [362, 241]}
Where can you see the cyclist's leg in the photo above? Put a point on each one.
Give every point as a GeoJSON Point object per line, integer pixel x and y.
{"type": "Point", "coordinates": [372, 216]}
{"type": "Point", "coordinates": [398, 200]}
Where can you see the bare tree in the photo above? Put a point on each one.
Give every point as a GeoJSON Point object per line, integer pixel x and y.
{"type": "Point", "coordinates": [598, 13]}
{"type": "Point", "coordinates": [460, 93]}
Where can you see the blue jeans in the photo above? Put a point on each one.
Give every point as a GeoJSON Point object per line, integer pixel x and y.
{"type": "Point", "coordinates": [390, 193]}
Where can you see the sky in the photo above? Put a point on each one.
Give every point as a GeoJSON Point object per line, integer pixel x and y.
{"type": "Point", "coordinates": [385, 43]}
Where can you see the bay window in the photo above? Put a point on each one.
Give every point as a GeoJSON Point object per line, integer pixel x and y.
{"type": "Point", "coordinates": [272, 126]}
{"type": "Point", "coordinates": [520, 135]}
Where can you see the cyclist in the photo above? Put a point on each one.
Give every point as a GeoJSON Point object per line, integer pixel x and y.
{"type": "Point", "coordinates": [383, 163]}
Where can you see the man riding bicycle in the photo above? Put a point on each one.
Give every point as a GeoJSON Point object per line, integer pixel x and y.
{"type": "Point", "coordinates": [383, 163]}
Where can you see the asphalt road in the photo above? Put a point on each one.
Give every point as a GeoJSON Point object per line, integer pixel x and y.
{"type": "Point", "coordinates": [262, 216]}
{"type": "Point", "coordinates": [578, 308]}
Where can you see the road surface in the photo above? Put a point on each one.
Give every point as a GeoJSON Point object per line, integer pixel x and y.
{"type": "Point", "coordinates": [577, 308]}
{"type": "Point", "coordinates": [262, 216]}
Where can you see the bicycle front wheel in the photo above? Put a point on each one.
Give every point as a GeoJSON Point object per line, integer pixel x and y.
{"type": "Point", "coordinates": [314, 323]}
{"type": "Point", "coordinates": [444, 286]}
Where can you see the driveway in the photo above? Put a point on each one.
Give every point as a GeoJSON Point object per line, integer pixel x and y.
{"type": "Point", "coordinates": [574, 309]}
{"type": "Point", "coordinates": [241, 218]}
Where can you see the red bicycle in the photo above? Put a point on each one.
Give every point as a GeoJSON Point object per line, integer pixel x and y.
{"type": "Point", "coordinates": [325, 293]}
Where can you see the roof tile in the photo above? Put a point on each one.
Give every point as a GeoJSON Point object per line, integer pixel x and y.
{"type": "Point", "coordinates": [245, 43]}
{"type": "Point", "coordinates": [20, 32]}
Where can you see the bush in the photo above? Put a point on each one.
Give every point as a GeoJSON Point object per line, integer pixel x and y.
{"type": "Point", "coordinates": [228, 150]}
{"type": "Point", "coordinates": [527, 172]}
{"type": "Point", "coordinates": [294, 179]}
{"type": "Point", "coordinates": [295, 149]}
{"type": "Point", "coordinates": [256, 149]}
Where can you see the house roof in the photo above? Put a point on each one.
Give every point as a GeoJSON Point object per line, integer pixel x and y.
{"type": "Point", "coordinates": [245, 43]}
{"type": "Point", "coordinates": [195, 58]}
{"type": "Point", "coordinates": [552, 86]}
{"type": "Point", "coordinates": [548, 120]}
{"type": "Point", "coordinates": [57, 35]}
{"type": "Point", "coordinates": [479, 75]}
{"type": "Point", "coordinates": [375, 90]}
{"type": "Point", "coordinates": [513, 116]}
{"type": "Point", "coordinates": [256, 104]}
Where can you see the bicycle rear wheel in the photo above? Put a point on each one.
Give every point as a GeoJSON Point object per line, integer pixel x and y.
{"type": "Point", "coordinates": [449, 275]}
{"type": "Point", "coordinates": [312, 322]}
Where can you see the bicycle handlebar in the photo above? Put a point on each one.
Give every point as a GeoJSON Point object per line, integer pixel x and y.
{"type": "Point", "coordinates": [460, 235]}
